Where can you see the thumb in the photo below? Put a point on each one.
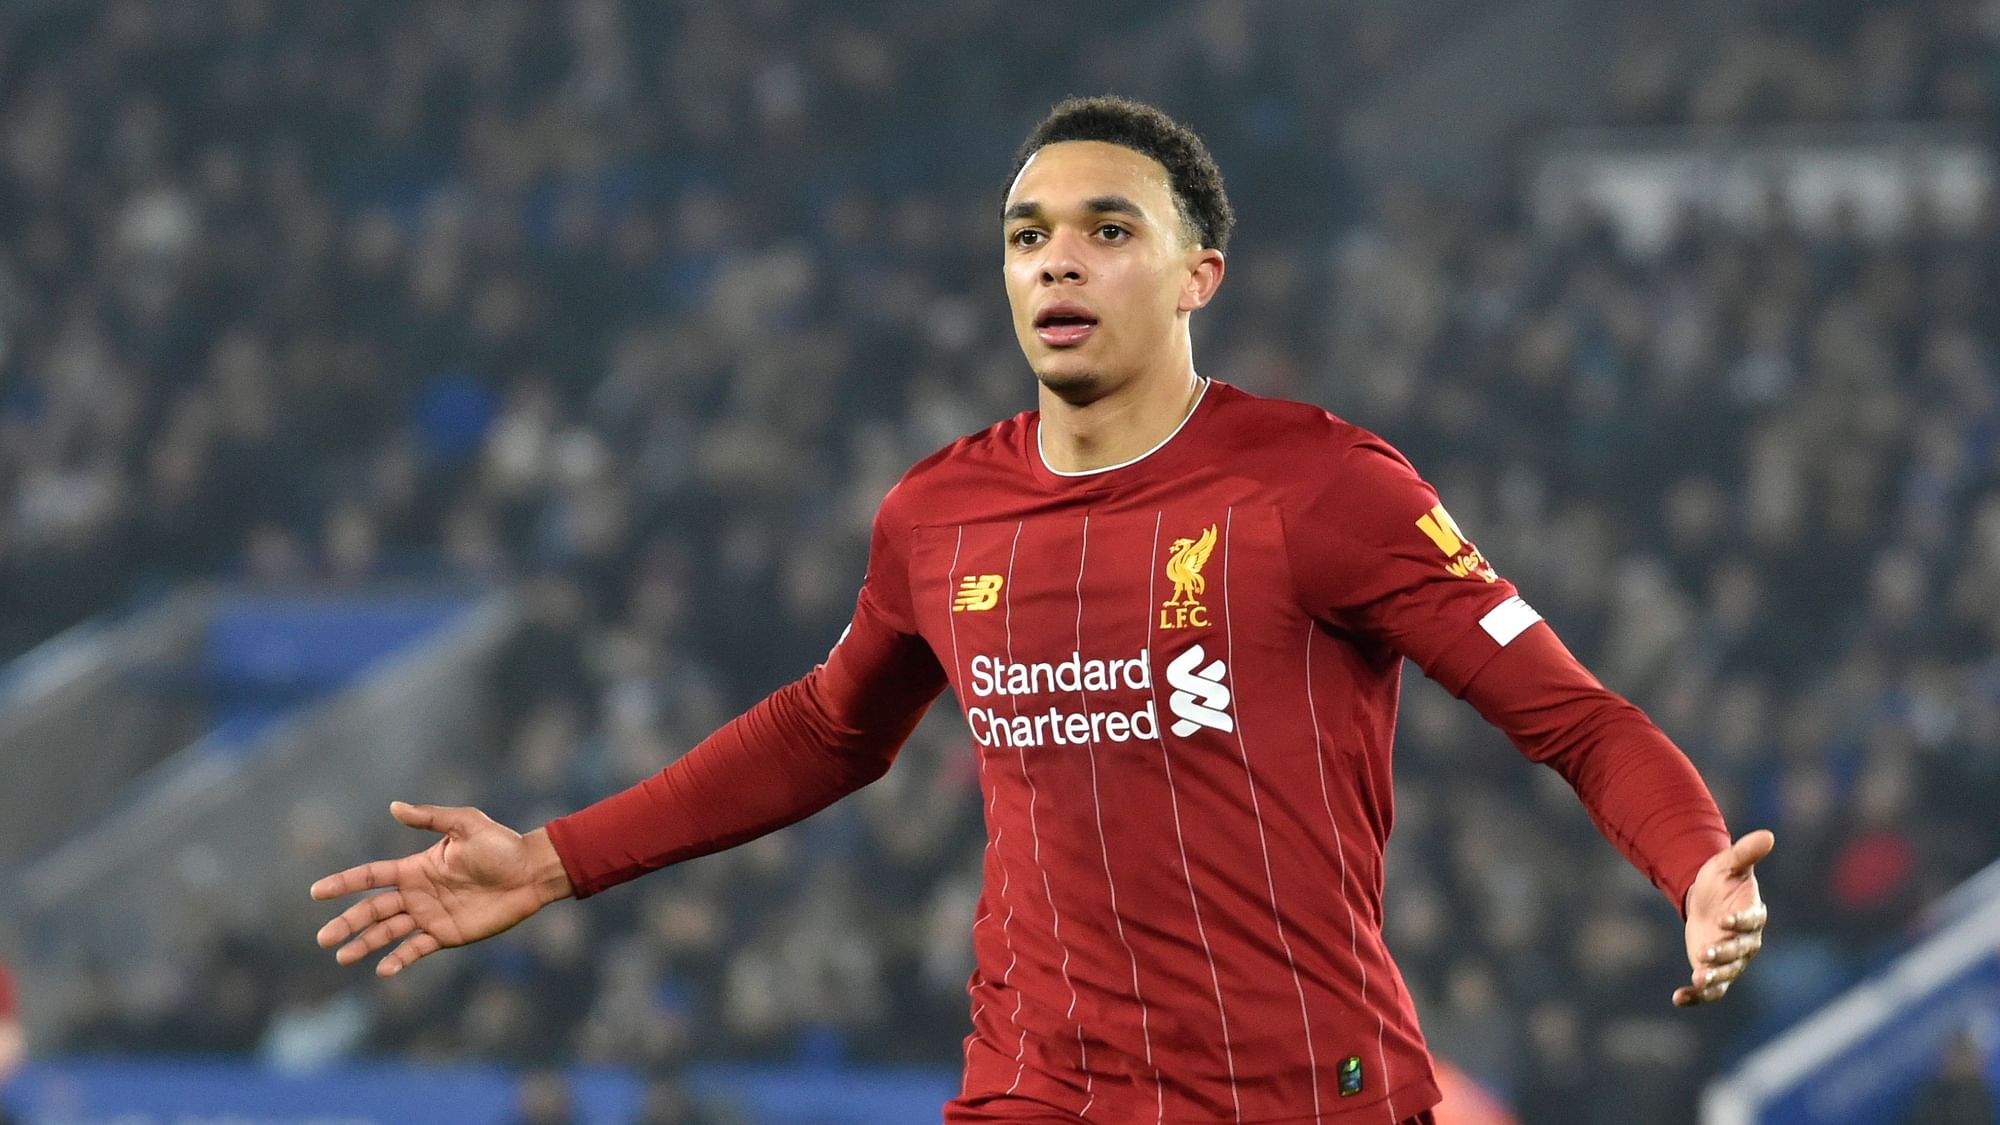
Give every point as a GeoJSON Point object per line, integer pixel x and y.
{"type": "Point", "coordinates": [1749, 851]}
{"type": "Point", "coordinates": [437, 818]}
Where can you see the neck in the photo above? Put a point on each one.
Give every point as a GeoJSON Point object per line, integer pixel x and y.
{"type": "Point", "coordinates": [1124, 425]}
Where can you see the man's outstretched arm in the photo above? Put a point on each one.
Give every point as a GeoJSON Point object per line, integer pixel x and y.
{"type": "Point", "coordinates": [804, 747]}
{"type": "Point", "coordinates": [1376, 553]}
{"type": "Point", "coordinates": [1643, 794]}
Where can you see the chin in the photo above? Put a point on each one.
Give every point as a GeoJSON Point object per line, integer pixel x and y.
{"type": "Point", "coordinates": [1073, 387]}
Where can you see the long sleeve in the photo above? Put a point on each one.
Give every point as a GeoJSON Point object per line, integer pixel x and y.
{"type": "Point", "coordinates": [1376, 553]}
{"type": "Point", "coordinates": [1640, 790]}
{"type": "Point", "coordinates": [802, 748]}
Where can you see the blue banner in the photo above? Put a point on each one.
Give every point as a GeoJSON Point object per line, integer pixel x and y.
{"type": "Point", "coordinates": [210, 1092]}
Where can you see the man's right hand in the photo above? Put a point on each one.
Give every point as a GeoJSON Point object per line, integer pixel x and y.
{"type": "Point", "coordinates": [481, 879]}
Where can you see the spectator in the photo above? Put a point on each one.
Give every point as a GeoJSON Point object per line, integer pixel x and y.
{"type": "Point", "coordinates": [13, 1042]}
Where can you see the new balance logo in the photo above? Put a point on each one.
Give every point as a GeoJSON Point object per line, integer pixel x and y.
{"type": "Point", "coordinates": [978, 593]}
{"type": "Point", "coordinates": [1199, 699]}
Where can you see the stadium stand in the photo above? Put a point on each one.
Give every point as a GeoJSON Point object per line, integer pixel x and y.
{"type": "Point", "coordinates": [637, 311]}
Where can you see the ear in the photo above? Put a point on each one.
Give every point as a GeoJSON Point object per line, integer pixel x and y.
{"type": "Point", "coordinates": [1205, 269]}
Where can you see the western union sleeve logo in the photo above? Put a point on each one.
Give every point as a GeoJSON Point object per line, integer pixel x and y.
{"type": "Point", "coordinates": [977, 593]}
{"type": "Point", "coordinates": [1184, 562]}
{"type": "Point", "coordinates": [1461, 558]}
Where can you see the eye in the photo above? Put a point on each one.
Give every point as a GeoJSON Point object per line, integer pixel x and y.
{"type": "Point", "coordinates": [1112, 232]}
{"type": "Point", "coordinates": [1026, 236]}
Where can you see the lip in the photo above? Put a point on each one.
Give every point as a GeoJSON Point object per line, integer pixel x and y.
{"type": "Point", "coordinates": [1066, 335]}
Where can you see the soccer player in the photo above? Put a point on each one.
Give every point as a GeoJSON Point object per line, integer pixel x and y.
{"type": "Point", "coordinates": [1175, 615]}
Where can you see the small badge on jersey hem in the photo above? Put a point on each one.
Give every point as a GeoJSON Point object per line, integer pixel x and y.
{"type": "Point", "coordinates": [1350, 1076]}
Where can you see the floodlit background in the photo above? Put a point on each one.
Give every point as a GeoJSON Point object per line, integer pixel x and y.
{"type": "Point", "coordinates": [481, 401]}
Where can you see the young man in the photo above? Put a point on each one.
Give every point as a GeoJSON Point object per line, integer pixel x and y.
{"type": "Point", "coordinates": [1175, 615]}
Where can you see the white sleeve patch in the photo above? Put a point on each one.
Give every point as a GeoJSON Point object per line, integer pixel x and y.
{"type": "Point", "coordinates": [1508, 620]}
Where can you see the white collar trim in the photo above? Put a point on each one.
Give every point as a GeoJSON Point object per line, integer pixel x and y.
{"type": "Point", "coordinates": [1199, 396]}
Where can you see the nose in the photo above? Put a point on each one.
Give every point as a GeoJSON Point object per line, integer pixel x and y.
{"type": "Point", "coordinates": [1062, 265]}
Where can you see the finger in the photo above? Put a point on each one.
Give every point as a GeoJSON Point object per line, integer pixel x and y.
{"type": "Point", "coordinates": [375, 937]}
{"type": "Point", "coordinates": [1687, 997]}
{"type": "Point", "coordinates": [363, 877]}
{"type": "Point", "coordinates": [361, 915]}
{"type": "Point", "coordinates": [436, 818]}
{"type": "Point", "coordinates": [1726, 951]}
{"type": "Point", "coordinates": [1749, 920]}
{"type": "Point", "coordinates": [1721, 974]}
{"type": "Point", "coordinates": [1750, 850]}
{"type": "Point", "coordinates": [417, 946]}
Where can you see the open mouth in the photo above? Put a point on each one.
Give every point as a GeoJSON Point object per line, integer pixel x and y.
{"type": "Point", "coordinates": [1064, 325]}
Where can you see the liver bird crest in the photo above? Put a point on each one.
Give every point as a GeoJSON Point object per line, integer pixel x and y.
{"type": "Point", "coordinates": [1184, 563]}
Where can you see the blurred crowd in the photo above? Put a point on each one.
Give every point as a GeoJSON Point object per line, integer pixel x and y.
{"type": "Point", "coordinates": [641, 309]}
{"type": "Point", "coordinates": [1810, 62]}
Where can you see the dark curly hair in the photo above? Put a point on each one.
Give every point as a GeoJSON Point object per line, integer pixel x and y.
{"type": "Point", "coordinates": [1191, 171]}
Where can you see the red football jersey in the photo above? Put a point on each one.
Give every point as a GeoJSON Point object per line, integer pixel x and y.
{"type": "Point", "coordinates": [1181, 677]}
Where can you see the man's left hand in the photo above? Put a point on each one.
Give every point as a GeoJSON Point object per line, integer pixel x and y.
{"type": "Point", "coordinates": [1725, 919]}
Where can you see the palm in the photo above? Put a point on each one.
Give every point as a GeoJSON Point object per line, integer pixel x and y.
{"type": "Point", "coordinates": [1725, 919]}
{"type": "Point", "coordinates": [1714, 900]}
{"type": "Point", "coordinates": [457, 891]}
{"type": "Point", "coordinates": [477, 881]}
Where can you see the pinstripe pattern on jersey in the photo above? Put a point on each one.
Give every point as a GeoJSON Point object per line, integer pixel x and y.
{"type": "Point", "coordinates": [1035, 835]}
{"type": "Point", "coordinates": [1104, 846]}
{"type": "Point", "coordinates": [1257, 811]}
{"type": "Point", "coordinates": [1180, 835]}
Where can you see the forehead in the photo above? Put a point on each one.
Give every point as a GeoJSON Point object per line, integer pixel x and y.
{"type": "Point", "coordinates": [1067, 172]}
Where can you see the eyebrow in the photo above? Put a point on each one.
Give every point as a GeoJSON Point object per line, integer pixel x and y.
{"type": "Point", "coordinates": [1096, 205]}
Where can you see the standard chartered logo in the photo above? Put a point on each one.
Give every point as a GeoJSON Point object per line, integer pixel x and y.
{"type": "Point", "coordinates": [1070, 679]}
{"type": "Point", "coordinates": [1199, 699]}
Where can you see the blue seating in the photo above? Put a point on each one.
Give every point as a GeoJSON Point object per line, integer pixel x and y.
{"type": "Point", "coordinates": [264, 657]}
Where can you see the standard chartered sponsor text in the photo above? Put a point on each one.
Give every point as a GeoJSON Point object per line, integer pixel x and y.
{"type": "Point", "coordinates": [992, 676]}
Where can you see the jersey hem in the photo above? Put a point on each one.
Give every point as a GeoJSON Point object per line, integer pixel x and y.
{"type": "Point", "coordinates": [1409, 1099]}
{"type": "Point", "coordinates": [581, 887]}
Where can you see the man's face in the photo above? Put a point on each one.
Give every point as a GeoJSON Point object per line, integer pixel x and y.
{"type": "Point", "coordinates": [1099, 267]}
